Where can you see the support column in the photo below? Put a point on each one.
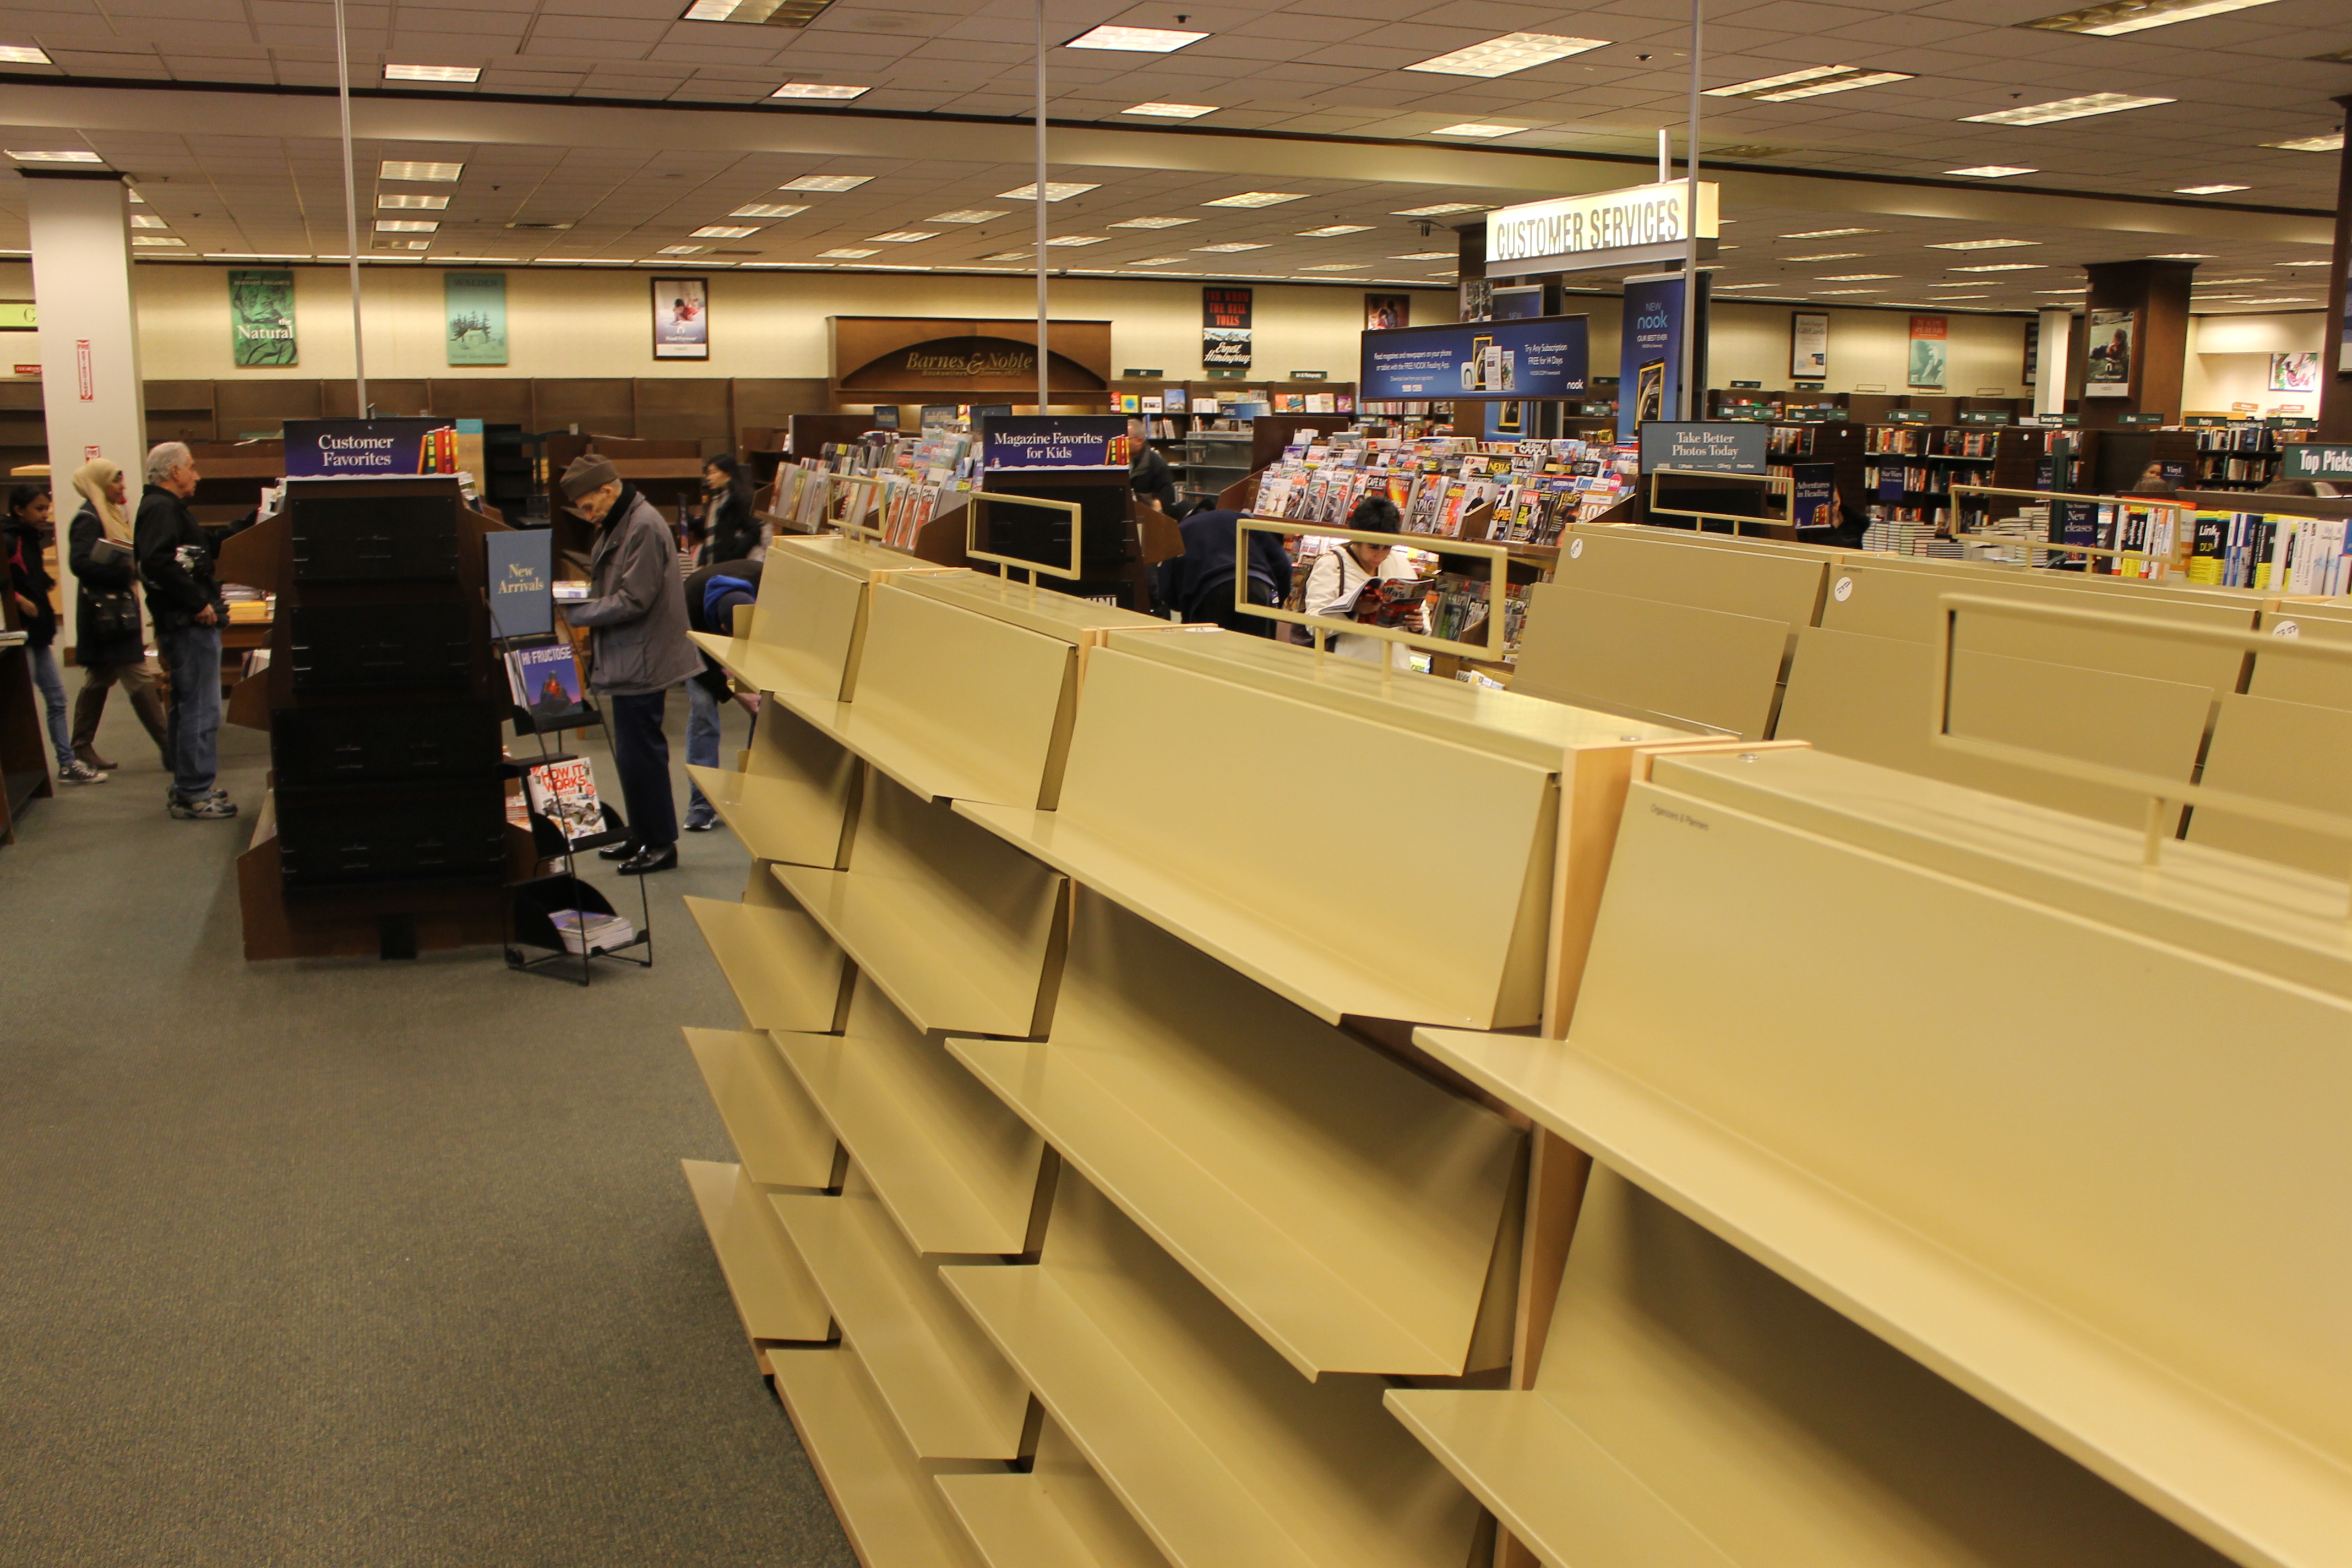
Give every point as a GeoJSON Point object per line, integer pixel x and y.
{"type": "Point", "coordinates": [92, 392]}
{"type": "Point", "coordinates": [2057, 326]}
{"type": "Point", "coordinates": [2335, 344]}
{"type": "Point", "coordinates": [2156, 294]}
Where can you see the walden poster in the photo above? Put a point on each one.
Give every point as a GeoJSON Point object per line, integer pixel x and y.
{"type": "Point", "coordinates": [261, 316]}
{"type": "Point", "coordinates": [476, 306]}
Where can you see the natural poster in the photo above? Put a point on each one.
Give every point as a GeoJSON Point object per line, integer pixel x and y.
{"type": "Point", "coordinates": [476, 306]}
{"type": "Point", "coordinates": [261, 316]}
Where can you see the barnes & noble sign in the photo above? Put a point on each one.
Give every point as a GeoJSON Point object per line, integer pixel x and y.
{"type": "Point", "coordinates": [1605, 228]}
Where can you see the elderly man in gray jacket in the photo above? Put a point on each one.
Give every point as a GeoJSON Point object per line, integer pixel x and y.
{"type": "Point", "coordinates": [637, 649]}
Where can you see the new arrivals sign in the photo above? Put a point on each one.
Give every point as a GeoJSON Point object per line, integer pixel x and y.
{"type": "Point", "coordinates": [1225, 328]}
{"type": "Point", "coordinates": [1606, 228]}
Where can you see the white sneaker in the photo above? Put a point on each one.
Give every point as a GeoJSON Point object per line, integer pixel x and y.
{"type": "Point", "coordinates": [80, 771]}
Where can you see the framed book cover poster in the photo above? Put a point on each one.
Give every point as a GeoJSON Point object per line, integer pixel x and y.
{"type": "Point", "coordinates": [2113, 340]}
{"type": "Point", "coordinates": [681, 318]}
{"type": "Point", "coordinates": [261, 316]}
{"type": "Point", "coordinates": [1809, 345]}
{"type": "Point", "coordinates": [1386, 312]}
{"type": "Point", "coordinates": [474, 305]}
{"type": "Point", "coordinates": [2295, 373]}
{"type": "Point", "coordinates": [1928, 345]}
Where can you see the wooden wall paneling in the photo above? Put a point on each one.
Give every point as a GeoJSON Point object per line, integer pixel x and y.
{"type": "Point", "coordinates": [246, 408]}
{"type": "Point", "coordinates": [179, 411]}
{"type": "Point", "coordinates": [598, 405]}
{"type": "Point", "coordinates": [391, 399]}
{"type": "Point", "coordinates": [494, 400]}
{"type": "Point", "coordinates": [768, 402]}
{"type": "Point", "coordinates": [675, 408]}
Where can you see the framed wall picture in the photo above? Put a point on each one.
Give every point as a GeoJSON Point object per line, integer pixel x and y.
{"type": "Point", "coordinates": [474, 307]}
{"type": "Point", "coordinates": [1386, 312]}
{"type": "Point", "coordinates": [681, 318]}
{"type": "Point", "coordinates": [2295, 373]}
{"type": "Point", "coordinates": [1929, 343]}
{"type": "Point", "coordinates": [1809, 345]}
{"type": "Point", "coordinates": [261, 317]}
{"type": "Point", "coordinates": [2109, 345]}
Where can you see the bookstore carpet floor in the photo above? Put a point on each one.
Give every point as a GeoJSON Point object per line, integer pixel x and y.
{"type": "Point", "coordinates": [347, 1262]}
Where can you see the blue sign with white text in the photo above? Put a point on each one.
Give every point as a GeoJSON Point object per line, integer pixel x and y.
{"type": "Point", "coordinates": [1544, 356]}
{"type": "Point", "coordinates": [1054, 441]}
{"type": "Point", "coordinates": [366, 449]}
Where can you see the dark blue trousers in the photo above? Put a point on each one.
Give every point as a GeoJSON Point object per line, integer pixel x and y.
{"type": "Point", "coordinates": [641, 754]}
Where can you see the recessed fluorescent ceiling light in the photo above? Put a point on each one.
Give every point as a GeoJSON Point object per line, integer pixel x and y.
{"type": "Point", "coordinates": [1980, 243]}
{"type": "Point", "coordinates": [1811, 82]}
{"type": "Point", "coordinates": [1257, 199]}
{"type": "Point", "coordinates": [1425, 255]}
{"type": "Point", "coordinates": [21, 54]}
{"type": "Point", "coordinates": [432, 73]}
{"type": "Point", "coordinates": [1511, 52]}
{"type": "Point", "coordinates": [903, 235]}
{"type": "Point", "coordinates": [967, 214]}
{"type": "Point", "coordinates": [2307, 261]}
{"type": "Point", "coordinates": [1828, 233]}
{"type": "Point", "coordinates": [2132, 16]}
{"type": "Point", "coordinates": [692, 250]}
{"type": "Point", "coordinates": [825, 182]}
{"type": "Point", "coordinates": [1743, 286]}
{"type": "Point", "coordinates": [1828, 291]}
{"type": "Point", "coordinates": [1140, 40]}
{"type": "Point", "coordinates": [400, 170]}
{"type": "Point", "coordinates": [54, 155]}
{"type": "Point", "coordinates": [1330, 229]}
{"type": "Point", "coordinates": [1991, 172]}
{"type": "Point", "coordinates": [1153, 222]}
{"type": "Point", "coordinates": [1230, 245]}
{"type": "Point", "coordinates": [2207, 189]}
{"type": "Point", "coordinates": [1947, 299]}
{"type": "Point", "coordinates": [2197, 256]}
{"type": "Point", "coordinates": [2059, 108]}
{"type": "Point", "coordinates": [1056, 191]}
{"type": "Point", "coordinates": [147, 220]}
{"type": "Point", "coordinates": [723, 231]}
{"type": "Point", "coordinates": [1000, 256]}
{"type": "Point", "coordinates": [2331, 143]}
{"type": "Point", "coordinates": [1440, 209]}
{"type": "Point", "coordinates": [1155, 261]}
{"type": "Point", "coordinates": [156, 239]}
{"type": "Point", "coordinates": [478, 258]}
{"type": "Point", "coordinates": [2223, 282]}
{"type": "Point", "coordinates": [253, 256]}
{"type": "Point", "coordinates": [1337, 267]}
{"type": "Point", "coordinates": [406, 225]}
{"type": "Point", "coordinates": [2005, 266]}
{"type": "Point", "coordinates": [775, 13]}
{"type": "Point", "coordinates": [1856, 277]}
{"type": "Point", "coordinates": [1472, 128]}
{"type": "Point", "coordinates": [1078, 239]}
{"type": "Point", "coordinates": [831, 91]}
{"type": "Point", "coordinates": [415, 203]}
{"type": "Point", "coordinates": [1172, 111]}
{"type": "Point", "coordinates": [848, 253]}
{"type": "Point", "coordinates": [2078, 289]}
{"type": "Point", "coordinates": [1826, 256]}
{"type": "Point", "coordinates": [767, 209]}
{"type": "Point", "coordinates": [2281, 301]}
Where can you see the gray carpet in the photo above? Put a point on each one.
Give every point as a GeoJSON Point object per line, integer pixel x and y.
{"type": "Point", "coordinates": [331, 1262]}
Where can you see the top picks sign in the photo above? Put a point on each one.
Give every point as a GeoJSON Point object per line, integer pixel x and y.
{"type": "Point", "coordinates": [1606, 228]}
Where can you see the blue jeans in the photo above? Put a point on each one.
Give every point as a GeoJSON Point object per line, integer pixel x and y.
{"type": "Point", "coordinates": [701, 746]}
{"type": "Point", "coordinates": [52, 682]}
{"type": "Point", "coordinates": [192, 738]}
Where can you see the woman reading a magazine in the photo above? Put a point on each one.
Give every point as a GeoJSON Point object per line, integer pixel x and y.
{"type": "Point", "coordinates": [637, 648]}
{"type": "Point", "coordinates": [1337, 585]}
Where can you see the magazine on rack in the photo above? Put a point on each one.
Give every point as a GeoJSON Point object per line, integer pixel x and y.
{"type": "Point", "coordinates": [545, 681]}
{"type": "Point", "coordinates": [565, 793]}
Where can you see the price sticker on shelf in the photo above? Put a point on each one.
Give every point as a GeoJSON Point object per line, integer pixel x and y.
{"type": "Point", "coordinates": [2286, 630]}
{"type": "Point", "coordinates": [1843, 590]}
{"type": "Point", "coordinates": [1576, 549]}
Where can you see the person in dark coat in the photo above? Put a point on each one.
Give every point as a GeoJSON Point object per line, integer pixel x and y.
{"type": "Point", "coordinates": [175, 561]}
{"type": "Point", "coordinates": [1199, 585]}
{"type": "Point", "coordinates": [712, 593]}
{"type": "Point", "coordinates": [1147, 474]}
{"type": "Point", "coordinates": [730, 530]}
{"type": "Point", "coordinates": [29, 530]}
{"type": "Point", "coordinates": [110, 642]}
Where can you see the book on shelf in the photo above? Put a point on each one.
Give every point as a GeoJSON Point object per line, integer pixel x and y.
{"type": "Point", "coordinates": [564, 794]}
{"type": "Point", "coordinates": [545, 682]}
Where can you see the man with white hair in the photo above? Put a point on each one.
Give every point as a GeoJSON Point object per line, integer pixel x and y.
{"type": "Point", "coordinates": [175, 561]}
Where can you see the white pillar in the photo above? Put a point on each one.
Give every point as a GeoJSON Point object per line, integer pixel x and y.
{"type": "Point", "coordinates": [92, 392]}
{"type": "Point", "coordinates": [2050, 377]}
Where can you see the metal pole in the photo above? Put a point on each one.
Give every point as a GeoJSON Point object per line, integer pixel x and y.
{"type": "Point", "coordinates": [1688, 398]}
{"type": "Point", "coordinates": [350, 208]}
{"type": "Point", "coordinates": [1041, 206]}
{"type": "Point", "coordinates": [1665, 155]}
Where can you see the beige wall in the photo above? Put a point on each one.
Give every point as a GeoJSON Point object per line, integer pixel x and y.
{"type": "Point", "coordinates": [2230, 360]}
{"type": "Point", "coordinates": [1869, 349]}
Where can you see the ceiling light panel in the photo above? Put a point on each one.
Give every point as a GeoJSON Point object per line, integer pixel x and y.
{"type": "Point", "coordinates": [1991, 172]}
{"type": "Point", "coordinates": [1511, 52]}
{"type": "Point", "coordinates": [1155, 261]}
{"type": "Point", "coordinates": [1425, 256]}
{"type": "Point", "coordinates": [2134, 16]}
{"type": "Point", "coordinates": [968, 215]}
{"type": "Point", "coordinates": [1056, 191]}
{"type": "Point", "coordinates": [2196, 256]}
{"type": "Point", "coordinates": [2304, 261]}
{"type": "Point", "coordinates": [1331, 230]}
{"type": "Point", "coordinates": [1473, 128]}
{"type": "Point", "coordinates": [1153, 222]}
{"type": "Point", "coordinates": [21, 54]}
{"type": "Point", "coordinates": [2207, 189]}
{"type": "Point", "coordinates": [1078, 239]}
{"type": "Point", "coordinates": [1440, 209]}
{"type": "Point", "coordinates": [1828, 233]}
{"type": "Point", "coordinates": [394, 168]}
{"type": "Point", "coordinates": [2064, 109]}
{"type": "Point", "coordinates": [723, 231]}
{"type": "Point", "coordinates": [769, 13]}
{"type": "Point", "coordinates": [822, 91]}
{"type": "Point", "coordinates": [1337, 267]}
{"type": "Point", "coordinates": [154, 239]}
{"type": "Point", "coordinates": [767, 209]}
{"type": "Point", "coordinates": [1230, 245]}
{"type": "Point", "coordinates": [1172, 111]}
{"type": "Point", "coordinates": [903, 237]}
{"type": "Point", "coordinates": [1980, 243]}
{"type": "Point", "coordinates": [1832, 84]}
{"type": "Point", "coordinates": [1000, 256]}
{"type": "Point", "coordinates": [417, 202]}
{"type": "Point", "coordinates": [825, 182]}
{"type": "Point", "coordinates": [1856, 277]}
{"type": "Point", "coordinates": [692, 250]}
{"type": "Point", "coordinates": [1826, 256]}
{"type": "Point", "coordinates": [2005, 266]}
{"type": "Point", "coordinates": [54, 155]}
{"type": "Point", "coordinates": [1257, 199]}
{"type": "Point", "coordinates": [406, 225]}
{"type": "Point", "coordinates": [1136, 41]}
{"type": "Point", "coordinates": [2331, 143]}
{"type": "Point", "coordinates": [147, 220]}
{"type": "Point", "coordinates": [432, 73]}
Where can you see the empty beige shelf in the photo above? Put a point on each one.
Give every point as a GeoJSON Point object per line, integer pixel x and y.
{"type": "Point", "coordinates": [1782, 585]}
{"type": "Point", "coordinates": [768, 669]}
{"type": "Point", "coordinates": [956, 1169]}
{"type": "Point", "coordinates": [1695, 1410]}
{"type": "Point", "coordinates": [1348, 1209]}
{"type": "Point", "coordinates": [792, 801]}
{"type": "Point", "coordinates": [1010, 597]}
{"type": "Point", "coordinates": [1058, 1515]}
{"type": "Point", "coordinates": [1873, 699]}
{"type": "Point", "coordinates": [954, 703]}
{"type": "Point", "coordinates": [1220, 1452]}
{"type": "Point", "coordinates": [810, 611]}
{"type": "Point", "coordinates": [2291, 680]}
{"type": "Point", "coordinates": [774, 1293]}
{"type": "Point", "coordinates": [777, 1132]}
{"type": "Point", "coordinates": [2094, 1179]}
{"type": "Point", "coordinates": [887, 1501]}
{"type": "Point", "coordinates": [1190, 837]}
{"type": "Point", "coordinates": [785, 972]}
{"type": "Point", "coordinates": [950, 1393]}
{"type": "Point", "coordinates": [2292, 753]}
{"type": "Point", "coordinates": [962, 930]}
{"type": "Point", "coordinates": [1647, 658]}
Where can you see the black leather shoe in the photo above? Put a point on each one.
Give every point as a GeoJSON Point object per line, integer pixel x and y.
{"type": "Point", "coordinates": [662, 859]}
{"type": "Point", "coordinates": [621, 851]}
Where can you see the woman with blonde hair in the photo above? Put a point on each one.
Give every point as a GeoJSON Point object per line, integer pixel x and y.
{"type": "Point", "coordinates": [110, 642]}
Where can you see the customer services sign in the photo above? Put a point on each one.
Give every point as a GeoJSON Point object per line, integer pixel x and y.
{"type": "Point", "coordinates": [1605, 228]}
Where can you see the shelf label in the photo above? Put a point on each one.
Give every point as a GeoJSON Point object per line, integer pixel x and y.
{"type": "Point", "coordinates": [1723, 446]}
{"type": "Point", "coordinates": [2314, 460]}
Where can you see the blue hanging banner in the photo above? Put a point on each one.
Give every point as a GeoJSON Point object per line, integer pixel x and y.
{"type": "Point", "coordinates": [1649, 354]}
{"type": "Point", "coordinates": [1538, 357]}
